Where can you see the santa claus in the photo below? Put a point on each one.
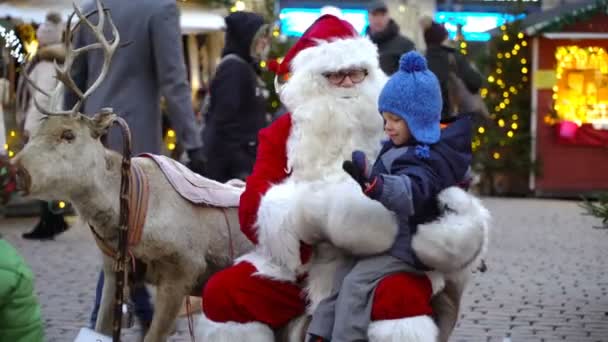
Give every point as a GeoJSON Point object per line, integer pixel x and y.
{"type": "Point", "coordinates": [306, 215]}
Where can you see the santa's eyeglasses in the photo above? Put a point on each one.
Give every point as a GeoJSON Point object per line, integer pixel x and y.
{"type": "Point", "coordinates": [355, 75]}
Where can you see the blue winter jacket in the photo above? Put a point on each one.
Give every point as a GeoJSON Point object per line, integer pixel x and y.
{"type": "Point", "coordinates": [411, 183]}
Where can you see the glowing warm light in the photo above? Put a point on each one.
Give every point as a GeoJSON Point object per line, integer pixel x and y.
{"type": "Point", "coordinates": [491, 79]}
{"type": "Point", "coordinates": [13, 134]}
{"type": "Point", "coordinates": [524, 70]}
{"type": "Point", "coordinates": [524, 43]}
{"type": "Point", "coordinates": [510, 134]}
{"type": "Point", "coordinates": [171, 146]}
{"type": "Point", "coordinates": [505, 37]}
{"type": "Point", "coordinates": [514, 117]}
{"type": "Point", "coordinates": [6, 146]}
{"type": "Point", "coordinates": [171, 133]}
{"type": "Point", "coordinates": [501, 123]}
{"type": "Point", "coordinates": [581, 92]}
{"type": "Point", "coordinates": [523, 61]}
{"type": "Point", "coordinates": [505, 94]}
{"type": "Point", "coordinates": [520, 35]}
{"type": "Point", "coordinates": [61, 204]}
{"type": "Point", "coordinates": [11, 153]}
{"type": "Point", "coordinates": [481, 130]}
{"type": "Point", "coordinates": [262, 64]}
{"type": "Point", "coordinates": [514, 126]}
{"type": "Point", "coordinates": [275, 34]}
{"type": "Point", "coordinates": [502, 105]}
{"type": "Point", "coordinates": [496, 155]}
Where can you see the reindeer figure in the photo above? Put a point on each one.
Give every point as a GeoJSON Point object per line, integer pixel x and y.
{"type": "Point", "coordinates": [182, 244]}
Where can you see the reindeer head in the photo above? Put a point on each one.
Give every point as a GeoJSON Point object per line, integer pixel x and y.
{"type": "Point", "coordinates": [66, 152]}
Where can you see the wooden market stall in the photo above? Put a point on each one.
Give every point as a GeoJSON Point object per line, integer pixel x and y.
{"type": "Point", "coordinates": [570, 99]}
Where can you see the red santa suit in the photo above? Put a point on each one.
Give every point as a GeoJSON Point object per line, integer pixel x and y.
{"type": "Point", "coordinates": [303, 211]}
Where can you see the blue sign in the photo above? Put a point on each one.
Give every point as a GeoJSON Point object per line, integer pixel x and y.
{"type": "Point", "coordinates": [474, 24]}
{"type": "Point", "coordinates": [294, 21]}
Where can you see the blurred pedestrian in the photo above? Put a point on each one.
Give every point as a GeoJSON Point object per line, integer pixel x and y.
{"type": "Point", "coordinates": [19, 308]}
{"type": "Point", "coordinates": [42, 72]}
{"type": "Point", "coordinates": [148, 63]}
{"type": "Point", "coordinates": [384, 32]}
{"type": "Point", "coordinates": [442, 60]}
{"type": "Point", "coordinates": [237, 108]}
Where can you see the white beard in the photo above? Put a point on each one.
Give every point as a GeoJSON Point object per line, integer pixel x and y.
{"type": "Point", "coordinates": [328, 124]}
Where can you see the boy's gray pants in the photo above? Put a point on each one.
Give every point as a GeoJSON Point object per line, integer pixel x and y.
{"type": "Point", "coordinates": [345, 315]}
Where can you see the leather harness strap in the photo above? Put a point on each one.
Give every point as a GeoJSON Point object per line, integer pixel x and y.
{"type": "Point", "coordinates": [139, 193]}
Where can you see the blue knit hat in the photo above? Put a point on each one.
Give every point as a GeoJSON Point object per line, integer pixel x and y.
{"type": "Point", "coordinates": [414, 94]}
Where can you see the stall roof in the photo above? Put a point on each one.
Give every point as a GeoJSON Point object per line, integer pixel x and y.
{"type": "Point", "coordinates": [542, 21]}
{"type": "Point", "coordinates": [194, 18]}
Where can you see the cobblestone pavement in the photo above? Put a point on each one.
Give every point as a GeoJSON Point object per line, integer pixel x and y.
{"type": "Point", "coordinates": [547, 278]}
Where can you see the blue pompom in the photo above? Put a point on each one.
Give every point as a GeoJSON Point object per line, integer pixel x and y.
{"type": "Point", "coordinates": [423, 151]}
{"type": "Point", "coordinates": [412, 62]}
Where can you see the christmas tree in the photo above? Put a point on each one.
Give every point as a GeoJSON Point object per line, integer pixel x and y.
{"type": "Point", "coordinates": [502, 145]}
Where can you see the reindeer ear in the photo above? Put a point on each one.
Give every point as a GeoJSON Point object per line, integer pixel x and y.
{"type": "Point", "coordinates": [101, 122]}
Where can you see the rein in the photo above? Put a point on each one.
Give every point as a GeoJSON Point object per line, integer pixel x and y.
{"type": "Point", "coordinates": [121, 259]}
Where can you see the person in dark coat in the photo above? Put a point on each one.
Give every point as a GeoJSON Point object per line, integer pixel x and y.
{"type": "Point", "coordinates": [384, 32]}
{"type": "Point", "coordinates": [438, 54]}
{"type": "Point", "coordinates": [237, 108]}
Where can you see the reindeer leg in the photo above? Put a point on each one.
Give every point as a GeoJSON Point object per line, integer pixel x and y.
{"type": "Point", "coordinates": [106, 314]}
{"type": "Point", "coordinates": [169, 295]}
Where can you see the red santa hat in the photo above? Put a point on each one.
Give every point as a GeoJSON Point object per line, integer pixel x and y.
{"type": "Point", "coordinates": [326, 28]}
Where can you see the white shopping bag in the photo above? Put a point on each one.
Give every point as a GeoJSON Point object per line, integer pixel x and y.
{"type": "Point", "coordinates": [88, 335]}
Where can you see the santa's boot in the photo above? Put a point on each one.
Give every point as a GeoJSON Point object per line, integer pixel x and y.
{"type": "Point", "coordinates": [209, 331]}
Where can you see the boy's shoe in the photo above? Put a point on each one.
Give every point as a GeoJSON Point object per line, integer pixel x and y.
{"type": "Point", "coordinates": [315, 338]}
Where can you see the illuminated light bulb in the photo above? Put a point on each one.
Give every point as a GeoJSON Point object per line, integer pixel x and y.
{"type": "Point", "coordinates": [507, 101]}
{"type": "Point", "coordinates": [171, 146]}
{"type": "Point", "coordinates": [520, 35]}
{"type": "Point", "coordinates": [517, 47]}
{"type": "Point", "coordinates": [499, 71]}
{"type": "Point", "coordinates": [501, 123]}
{"type": "Point", "coordinates": [463, 45]}
{"type": "Point", "coordinates": [61, 204]}
{"type": "Point", "coordinates": [507, 55]}
{"type": "Point", "coordinates": [497, 108]}
{"type": "Point", "coordinates": [11, 154]}
{"type": "Point", "coordinates": [524, 70]}
{"type": "Point", "coordinates": [524, 43]}
{"type": "Point", "coordinates": [554, 96]}
{"type": "Point", "coordinates": [275, 34]}
{"type": "Point", "coordinates": [512, 89]}
{"type": "Point", "coordinates": [523, 61]}
{"type": "Point", "coordinates": [510, 134]}
{"type": "Point", "coordinates": [514, 125]}
{"type": "Point", "coordinates": [505, 37]}
{"type": "Point", "coordinates": [499, 55]}
{"type": "Point", "coordinates": [171, 133]}
{"type": "Point", "coordinates": [240, 5]}
{"type": "Point", "coordinates": [496, 155]}
{"type": "Point", "coordinates": [262, 64]}
{"type": "Point", "coordinates": [13, 134]}
{"type": "Point", "coordinates": [491, 79]}
{"type": "Point", "coordinates": [505, 94]}
{"type": "Point", "coordinates": [514, 117]}
{"type": "Point", "coordinates": [555, 88]}
{"type": "Point", "coordinates": [503, 27]}
{"type": "Point", "coordinates": [481, 130]}
{"type": "Point", "coordinates": [502, 105]}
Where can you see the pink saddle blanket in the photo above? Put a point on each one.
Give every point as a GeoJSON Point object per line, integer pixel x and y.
{"type": "Point", "coordinates": [196, 188]}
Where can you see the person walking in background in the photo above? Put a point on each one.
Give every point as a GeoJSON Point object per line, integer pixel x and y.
{"type": "Point", "coordinates": [148, 63]}
{"type": "Point", "coordinates": [443, 59]}
{"type": "Point", "coordinates": [42, 73]}
{"type": "Point", "coordinates": [238, 99]}
{"type": "Point", "coordinates": [384, 32]}
{"type": "Point", "coordinates": [19, 308]}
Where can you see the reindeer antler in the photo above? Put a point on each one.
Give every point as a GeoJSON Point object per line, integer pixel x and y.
{"type": "Point", "coordinates": [63, 73]}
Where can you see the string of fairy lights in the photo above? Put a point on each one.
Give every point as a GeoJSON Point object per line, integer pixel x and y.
{"type": "Point", "coordinates": [510, 56]}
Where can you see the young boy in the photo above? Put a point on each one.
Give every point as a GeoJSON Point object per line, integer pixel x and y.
{"type": "Point", "coordinates": [414, 165]}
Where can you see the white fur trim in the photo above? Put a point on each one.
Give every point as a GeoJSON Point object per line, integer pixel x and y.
{"type": "Point", "coordinates": [276, 226]}
{"type": "Point", "coordinates": [459, 238]}
{"type": "Point", "coordinates": [209, 331]}
{"type": "Point", "coordinates": [413, 329]}
{"type": "Point", "coordinates": [265, 267]}
{"type": "Point", "coordinates": [321, 273]}
{"type": "Point", "coordinates": [348, 219]}
{"type": "Point", "coordinates": [437, 281]}
{"type": "Point", "coordinates": [337, 54]}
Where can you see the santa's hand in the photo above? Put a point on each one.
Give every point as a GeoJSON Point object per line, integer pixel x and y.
{"type": "Point", "coordinates": [360, 170]}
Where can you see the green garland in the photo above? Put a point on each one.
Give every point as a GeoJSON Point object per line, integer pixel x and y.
{"type": "Point", "coordinates": [582, 14]}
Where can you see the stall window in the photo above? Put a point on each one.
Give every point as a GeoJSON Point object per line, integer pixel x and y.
{"type": "Point", "coordinates": [581, 92]}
